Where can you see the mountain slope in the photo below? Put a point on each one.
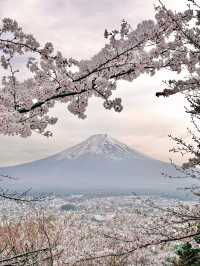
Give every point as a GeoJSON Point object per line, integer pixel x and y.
{"type": "Point", "coordinates": [99, 145]}
{"type": "Point", "coordinates": [98, 163]}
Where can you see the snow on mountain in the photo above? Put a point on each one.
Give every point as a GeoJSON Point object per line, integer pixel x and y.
{"type": "Point", "coordinates": [100, 163]}
{"type": "Point", "coordinates": [99, 145]}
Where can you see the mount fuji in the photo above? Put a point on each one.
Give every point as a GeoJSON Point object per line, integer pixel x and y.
{"type": "Point", "coordinates": [99, 163]}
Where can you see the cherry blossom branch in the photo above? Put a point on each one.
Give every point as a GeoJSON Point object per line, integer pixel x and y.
{"type": "Point", "coordinates": [130, 251]}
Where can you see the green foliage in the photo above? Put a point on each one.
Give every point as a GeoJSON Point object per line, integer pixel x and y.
{"type": "Point", "coordinates": [187, 254]}
{"type": "Point", "coordinates": [197, 237]}
{"type": "Point", "coordinates": [68, 207]}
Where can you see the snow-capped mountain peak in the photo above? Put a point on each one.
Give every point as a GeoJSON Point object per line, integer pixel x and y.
{"type": "Point", "coordinates": [99, 145]}
{"type": "Point", "coordinates": [100, 163]}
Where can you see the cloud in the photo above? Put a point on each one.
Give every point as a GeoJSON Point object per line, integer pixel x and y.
{"type": "Point", "coordinates": [76, 26]}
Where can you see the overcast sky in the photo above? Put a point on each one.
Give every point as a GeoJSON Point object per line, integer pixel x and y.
{"type": "Point", "coordinates": [76, 28]}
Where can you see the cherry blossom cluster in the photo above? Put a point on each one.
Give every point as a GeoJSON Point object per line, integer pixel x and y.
{"type": "Point", "coordinates": [168, 42]}
{"type": "Point", "coordinates": [101, 231]}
